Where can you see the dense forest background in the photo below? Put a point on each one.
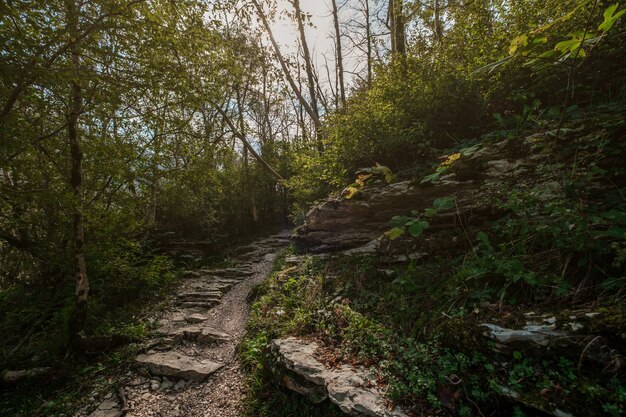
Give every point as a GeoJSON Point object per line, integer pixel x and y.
{"type": "Point", "coordinates": [129, 125]}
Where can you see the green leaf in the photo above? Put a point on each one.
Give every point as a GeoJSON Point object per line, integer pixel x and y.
{"type": "Point", "coordinates": [569, 45]}
{"type": "Point", "coordinates": [517, 43]}
{"type": "Point", "coordinates": [484, 239]}
{"type": "Point", "coordinates": [384, 171]}
{"type": "Point", "coordinates": [444, 203]}
{"type": "Point", "coordinates": [517, 355]}
{"type": "Point", "coordinates": [430, 212]}
{"type": "Point", "coordinates": [431, 178]}
{"type": "Point", "coordinates": [399, 221]}
{"type": "Point", "coordinates": [469, 151]}
{"type": "Point", "coordinates": [530, 279]}
{"type": "Point", "coordinates": [418, 227]}
{"type": "Point", "coordinates": [394, 233]}
{"type": "Point", "coordinates": [610, 17]}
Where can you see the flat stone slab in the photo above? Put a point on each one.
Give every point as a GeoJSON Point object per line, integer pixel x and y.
{"type": "Point", "coordinates": [196, 333]}
{"type": "Point", "coordinates": [229, 272]}
{"type": "Point", "coordinates": [198, 304]}
{"type": "Point", "coordinates": [210, 335]}
{"type": "Point", "coordinates": [226, 281]}
{"type": "Point", "coordinates": [196, 294]}
{"type": "Point", "coordinates": [177, 365]}
{"type": "Point", "coordinates": [200, 297]}
{"type": "Point", "coordinates": [196, 318]}
{"type": "Point", "coordinates": [108, 408]}
{"type": "Point", "coordinates": [354, 391]}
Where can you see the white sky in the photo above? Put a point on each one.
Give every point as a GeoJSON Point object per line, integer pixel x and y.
{"type": "Point", "coordinates": [319, 38]}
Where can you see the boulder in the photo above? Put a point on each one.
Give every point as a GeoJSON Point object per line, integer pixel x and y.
{"type": "Point", "coordinates": [108, 408]}
{"type": "Point", "coordinates": [354, 391]}
{"type": "Point", "coordinates": [177, 365]}
{"type": "Point", "coordinates": [338, 223]}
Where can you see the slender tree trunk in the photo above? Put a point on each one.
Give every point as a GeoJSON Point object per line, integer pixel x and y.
{"type": "Point", "coordinates": [340, 73]}
{"type": "Point", "coordinates": [248, 179]}
{"type": "Point", "coordinates": [437, 30]}
{"type": "Point", "coordinates": [244, 141]}
{"type": "Point", "coordinates": [305, 104]}
{"type": "Point", "coordinates": [396, 19]}
{"type": "Point", "coordinates": [308, 65]}
{"type": "Point", "coordinates": [368, 34]}
{"type": "Point", "coordinates": [77, 321]}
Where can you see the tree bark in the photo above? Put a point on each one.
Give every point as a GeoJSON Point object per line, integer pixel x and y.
{"type": "Point", "coordinates": [397, 26]}
{"type": "Point", "coordinates": [308, 66]}
{"type": "Point", "coordinates": [437, 30]}
{"type": "Point", "coordinates": [368, 34]}
{"type": "Point", "coordinates": [248, 179]}
{"type": "Point", "coordinates": [340, 73]}
{"type": "Point", "coordinates": [77, 321]}
{"type": "Point", "coordinates": [305, 104]}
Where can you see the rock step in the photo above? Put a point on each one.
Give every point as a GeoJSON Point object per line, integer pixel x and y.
{"type": "Point", "coordinates": [212, 287]}
{"type": "Point", "coordinates": [196, 318]}
{"type": "Point", "coordinates": [200, 296]}
{"type": "Point", "coordinates": [196, 333]}
{"type": "Point", "coordinates": [198, 304]}
{"type": "Point", "coordinates": [177, 365]}
{"type": "Point", "coordinates": [227, 281]}
{"type": "Point", "coordinates": [229, 272]}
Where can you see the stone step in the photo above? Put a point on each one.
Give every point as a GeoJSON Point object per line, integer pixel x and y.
{"type": "Point", "coordinates": [242, 250]}
{"type": "Point", "coordinates": [200, 295]}
{"type": "Point", "coordinates": [196, 318]}
{"type": "Point", "coordinates": [229, 281]}
{"type": "Point", "coordinates": [198, 304]}
{"type": "Point", "coordinates": [222, 287]}
{"type": "Point", "coordinates": [209, 336]}
{"type": "Point", "coordinates": [199, 299]}
{"type": "Point", "coordinates": [195, 333]}
{"type": "Point", "coordinates": [178, 365]}
{"type": "Point", "coordinates": [229, 272]}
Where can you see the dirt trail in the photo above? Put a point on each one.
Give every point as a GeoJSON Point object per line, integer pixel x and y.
{"type": "Point", "coordinates": [192, 368]}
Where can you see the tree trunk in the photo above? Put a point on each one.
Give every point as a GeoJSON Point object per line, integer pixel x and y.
{"type": "Point", "coordinates": [245, 142]}
{"type": "Point", "coordinates": [308, 65]}
{"type": "Point", "coordinates": [340, 73]}
{"type": "Point", "coordinates": [77, 321]}
{"type": "Point", "coordinates": [368, 34]}
{"type": "Point", "coordinates": [305, 104]}
{"type": "Point", "coordinates": [437, 30]}
{"type": "Point", "coordinates": [396, 20]}
{"type": "Point", "coordinates": [248, 179]}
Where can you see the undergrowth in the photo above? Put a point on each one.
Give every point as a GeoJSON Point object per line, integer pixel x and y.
{"type": "Point", "coordinates": [556, 249]}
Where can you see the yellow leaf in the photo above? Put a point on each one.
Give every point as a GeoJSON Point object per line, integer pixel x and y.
{"type": "Point", "coordinates": [350, 192]}
{"type": "Point", "coordinates": [451, 159]}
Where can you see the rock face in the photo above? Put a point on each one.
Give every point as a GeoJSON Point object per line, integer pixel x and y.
{"type": "Point", "coordinates": [354, 391]}
{"type": "Point", "coordinates": [108, 408]}
{"type": "Point", "coordinates": [339, 224]}
{"type": "Point", "coordinates": [179, 366]}
{"type": "Point", "coordinates": [15, 376]}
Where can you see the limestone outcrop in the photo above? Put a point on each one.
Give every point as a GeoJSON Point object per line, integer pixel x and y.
{"type": "Point", "coordinates": [338, 223]}
{"type": "Point", "coordinates": [353, 390]}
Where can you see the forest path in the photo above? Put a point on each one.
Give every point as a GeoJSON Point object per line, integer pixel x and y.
{"type": "Point", "coordinates": [193, 365]}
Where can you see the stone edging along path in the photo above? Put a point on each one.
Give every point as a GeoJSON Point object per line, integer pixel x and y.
{"type": "Point", "coordinates": [192, 368]}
